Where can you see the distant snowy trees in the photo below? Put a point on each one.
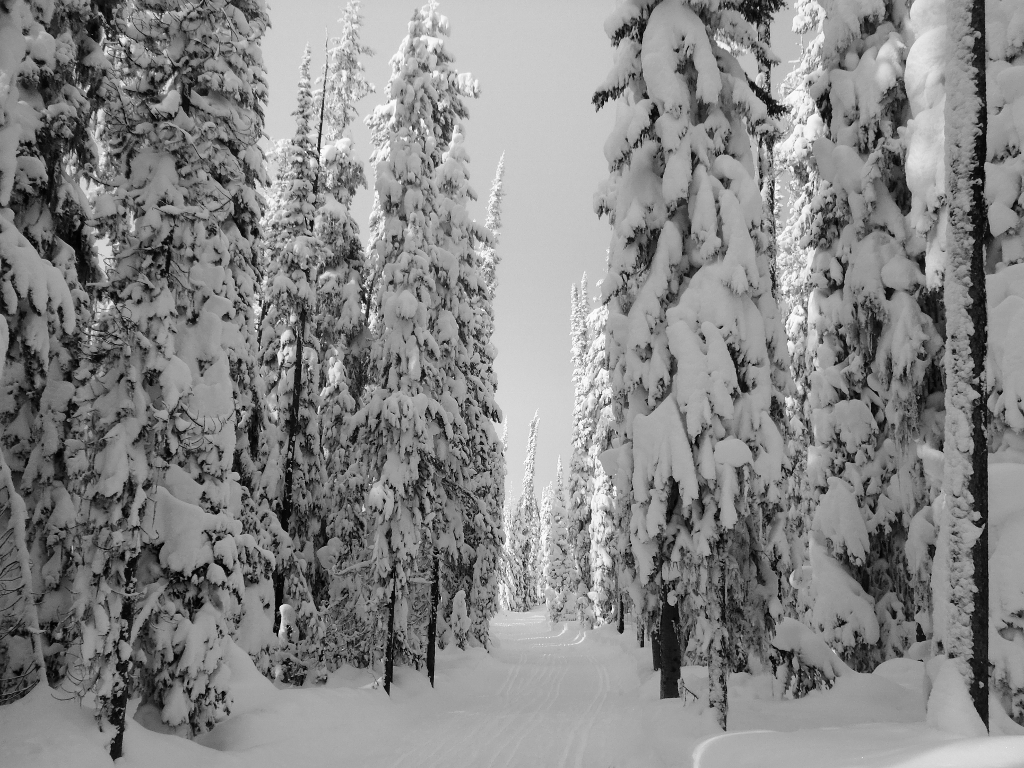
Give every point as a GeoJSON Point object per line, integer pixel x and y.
{"type": "Point", "coordinates": [217, 409]}
{"type": "Point", "coordinates": [560, 574]}
{"type": "Point", "coordinates": [521, 555]}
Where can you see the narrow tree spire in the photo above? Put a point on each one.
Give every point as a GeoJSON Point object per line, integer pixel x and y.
{"type": "Point", "coordinates": [489, 254]}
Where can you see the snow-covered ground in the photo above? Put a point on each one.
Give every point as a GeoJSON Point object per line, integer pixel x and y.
{"type": "Point", "coordinates": [543, 697]}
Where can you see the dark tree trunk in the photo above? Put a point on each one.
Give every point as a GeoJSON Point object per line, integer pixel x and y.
{"type": "Point", "coordinates": [668, 642]}
{"type": "Point", "coordinates": [966, 470]}
{"type": "Point", "coordinates": [656, 647]}
{"type": "Point", "coordinates": [122, 681]}
{"type": "Point", "coordinates": [389, 653]}
{"type": "Point", "coordinates": [640, 633]}
{"type": "Point", "coordinates": [718, 664]}
{"type": "Point", "coordinates": [435, 597]}
{"type": "Point", "coordinates": [766, 162]}
{"type": "Point", "coordinates": [278, 579]}
{"type": "Point", "coordinates": [622, 616]}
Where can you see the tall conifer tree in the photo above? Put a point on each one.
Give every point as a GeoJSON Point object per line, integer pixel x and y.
{"type": "Point", "coordinates": [691, 317]}
{"type": "Point", "coordinates": [409, 424]}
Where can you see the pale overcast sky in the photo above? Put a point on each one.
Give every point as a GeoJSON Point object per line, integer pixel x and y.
{"type": "Point", "coordinates": [538, 63]}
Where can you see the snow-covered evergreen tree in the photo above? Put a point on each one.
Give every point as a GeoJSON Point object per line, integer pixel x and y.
{"type": "Point", "coordinates": [346, 82]}
{"type": "Point", "coordinates": [1005, 293]}
{"type": "Point", "coordinates": [606, 524]}
{"type": "Point", "coordinates": [560, 575]}
{"type": "Point", "coordinates": [580, 489]}
{"type": "Point", "coordinates": [541, 561]}
{"type": "Point", "coordinates": [467, 335]}
{"type": "Point", "coordinates": [37, 304]}
{"type": "Point", "coordinates": [340, 328]}
{"type": "Point", "coordinates": [409, 426]}
{"type": "Point", "coordinates": [523, 535]}
{"type": "Point", "coordinates": [691, 314]}
{"type": "Point", "coordinates": [293, 469]}
{"type": "Point", "coordinates": [491, 257]}
{"type": "Point", "coordinates": [796, 241]}
{"type": "Point", "coordinates": [870, 346]}
{"type": "Point", "coordinates": [59, 85]}
{"type": "Point", "coordinates": [156, 407]}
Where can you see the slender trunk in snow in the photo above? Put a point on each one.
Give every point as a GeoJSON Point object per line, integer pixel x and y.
{"type": "Point", "coordinates": [389, 653]}
{"type": "Point", "coordinates": [668, 645]}
{"type": "Point", "coordinates": [435, 597]}
{"type": "Point", "coordinates": [622, 616]}
{"type": "Point", "coordinates": [718, 665]}
{"type": "Point", "coordinates": [964, 635]}
{"type": "Point", "coordinates": [19, 524]}
{"type": "Point", "coordinates": [119, 702]}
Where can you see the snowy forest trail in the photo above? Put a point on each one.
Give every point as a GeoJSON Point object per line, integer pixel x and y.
{"type": "Point", "coordinates": [543, 697]}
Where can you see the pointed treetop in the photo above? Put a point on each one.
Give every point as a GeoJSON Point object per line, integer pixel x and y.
{"type": "Point", "coordinates": [531, 454]}
{"type": "Point", "coordinates": [305, 92]}
{"type": "Point", "coordinates": [494, 201]}
{"type": "Point", "coordinates": [346, 77]}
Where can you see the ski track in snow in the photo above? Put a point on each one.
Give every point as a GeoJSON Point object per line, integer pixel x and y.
{"type": "Point", "coordinates": [542, 713]}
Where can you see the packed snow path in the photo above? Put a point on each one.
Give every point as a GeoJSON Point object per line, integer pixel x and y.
{"type": "Point", "coordinates": [542, 698]}
{"type": "Point", "coordinates": [558, 704]}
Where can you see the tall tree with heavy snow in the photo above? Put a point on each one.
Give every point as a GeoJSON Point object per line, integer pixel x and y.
{"type": "Point", "coordinates": [409, 427]}
{"type": "Point", "coordinates": [59, 83]}
{"type": "Point", "coordinates": [691, 313]}
{"type": "Point", "coordinates": [871, 346]}
{"type": "Point", "coordinates": [292, 459]}
{"type": "Point", "coordinates": [1005, 366]}
{"type": "Point", "coordinates": [37, 304]}
{"type": "Point", "coordinates": [608, 529]}
{"type": "Point", "coordinates": [579, 490]}
{"type": "Point", "coordinates": [794, 244]}
{"type": "Point", "coordinates": [473, 478]}
{"type": "Point", "coordinates": [156, 407]}
{"type": "Point", "coordinates": [960, 576]}
{"type": "Point", "coordinates": [560, 577]}
{"type": "Point", "coordinates": [340, 326]}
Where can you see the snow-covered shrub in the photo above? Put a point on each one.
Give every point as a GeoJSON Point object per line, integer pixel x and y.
{"type": "Point", "coordinates": [807, 661]}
